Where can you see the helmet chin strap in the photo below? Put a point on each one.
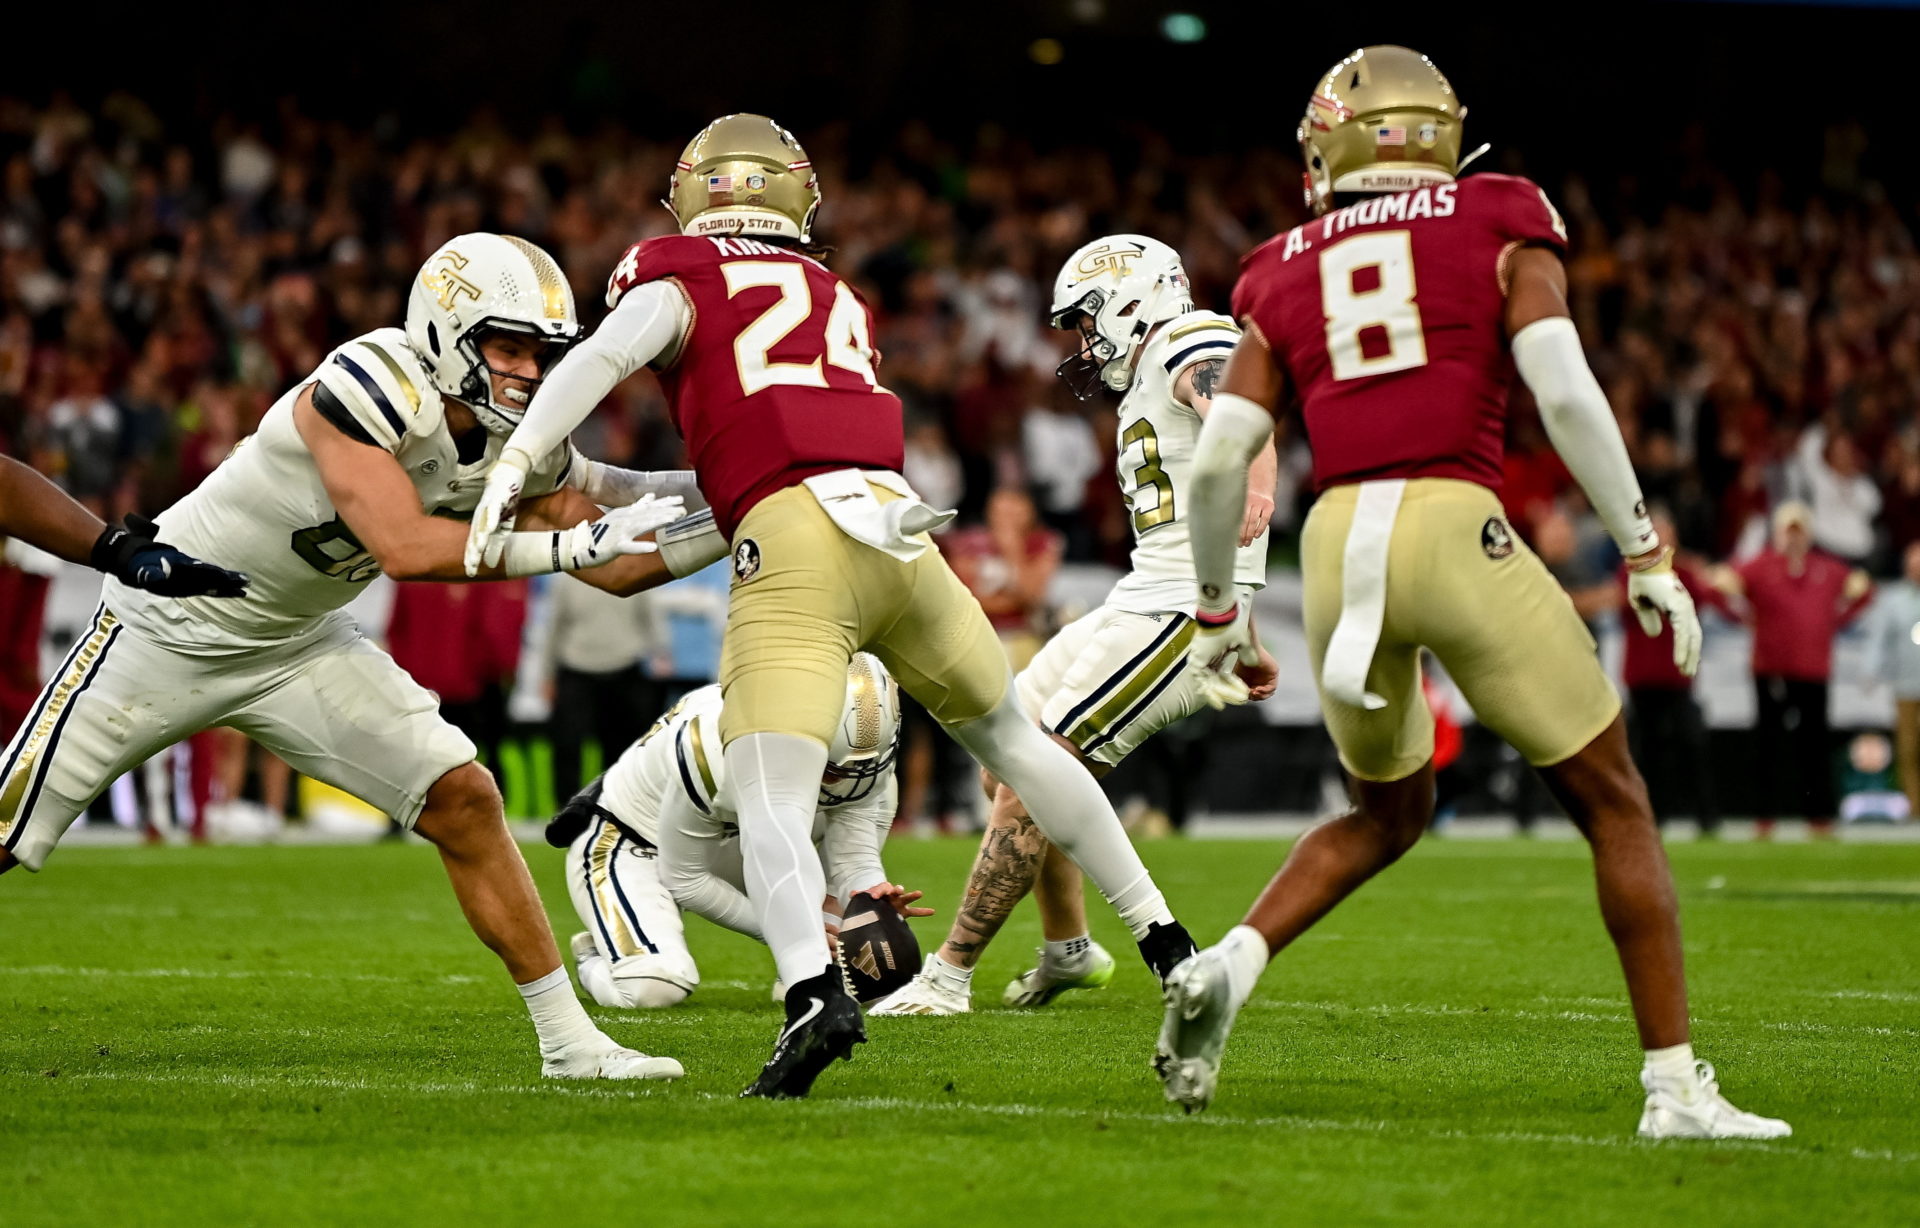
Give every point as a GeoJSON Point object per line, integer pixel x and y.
{"type": "Point", "coordinates": [1468, 160]}
{"type": "Point", "coordinates": [1122, 377]}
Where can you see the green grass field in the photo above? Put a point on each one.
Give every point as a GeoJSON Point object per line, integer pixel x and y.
{"type": "Point", "coordinates": [310, 1035]}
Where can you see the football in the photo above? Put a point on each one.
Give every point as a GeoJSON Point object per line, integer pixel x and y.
{"type": "Point", "coordinates": [877, 947]}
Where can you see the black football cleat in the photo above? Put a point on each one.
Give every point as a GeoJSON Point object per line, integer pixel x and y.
{"type": "Point", "coordinates": [823, 1024]}
{"type": "Point", "coordinates": [1165, 947]}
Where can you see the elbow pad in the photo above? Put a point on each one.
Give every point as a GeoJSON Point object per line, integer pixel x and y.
{"type": "Point", "coordinates": [690, 544]}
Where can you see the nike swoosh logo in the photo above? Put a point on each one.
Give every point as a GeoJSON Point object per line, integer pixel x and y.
{"type": "Point", "coordinates": [802, 1021]}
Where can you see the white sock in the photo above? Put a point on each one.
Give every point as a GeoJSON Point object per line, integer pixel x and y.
{"type": "Point", "coordinates": [1246, 953]}
{"type": "Point", "coordinates": [557, 1014]}
{"type": "Point", "coordinates": [1068, 807]}
{"type": "Point", "coordinates": [1672, 1064]}
{"type": "Point", "coordinates": [1067, 954]}
{"type": "Point", "coordinates": [949, 976]}
{"type": "Point", "coordinates": [775, 778]}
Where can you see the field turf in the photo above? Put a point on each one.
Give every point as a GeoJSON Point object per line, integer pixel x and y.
{"type": "Point", "coordinates": [311, 1036]}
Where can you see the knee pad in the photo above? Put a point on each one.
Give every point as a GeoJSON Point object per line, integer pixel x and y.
{"type": "Point", "coordinates": [647, 982]}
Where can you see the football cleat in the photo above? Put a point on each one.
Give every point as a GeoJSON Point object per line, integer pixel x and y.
{"type": "Point", "coordinates": [823, 1025]}
{"type": "Point", "coordinates": [583, 947]}
{"type": "Point", "coordinates": [1164, 947]}
{"type": "Point", "coordinates": [1201, 1005]}
{"type": "Point", "coordinates": [607, 1060]}
{"type": "Point", "coordinates": [1683, 1108]}
{"type": "Point", "coordinates": [923, 995]}
{"type": "Point", "coordinates": [1040, 985]}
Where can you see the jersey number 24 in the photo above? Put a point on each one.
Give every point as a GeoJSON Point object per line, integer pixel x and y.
{"type": "Point", "coordinates": [846, 345]}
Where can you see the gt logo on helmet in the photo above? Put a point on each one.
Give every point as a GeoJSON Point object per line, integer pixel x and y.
{"type": "Point", "coordinates": [1103, 260]}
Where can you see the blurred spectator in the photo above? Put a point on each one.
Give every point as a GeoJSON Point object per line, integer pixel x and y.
{"type": "Point", "coordinates": [1797, 600]}
{"type": "Point", "coordinates": [1008, 563]}
{"type": "Point", "coordinates": [462, 642]}
{"type": "Point", "coordinates": [25, 574]}
{"type": "Point", "coordinates": [1894, 654]}
{"type": "Point", "coordinates": [1828, 477]}
{"type": "Point", "coordinates": [695, 609]}
{"type": "Point", "coordinates": [607, 655]}
{"type": "Point", "coordinates": [1669, 734]}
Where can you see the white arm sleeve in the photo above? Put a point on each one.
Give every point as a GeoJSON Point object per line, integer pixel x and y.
{"type": "Point", "coordinates": [688, 844]}
{"type": "Point", "coordinates": [1581, 425]}
{"type": "Point", "coordinates": [612, 486]}
{"type": "Point", "coordinates": [649, 321]}
{"type": "Point", "coordinates": [850, 849]}
{"type": "Point", "coordinates": [1234, 432]}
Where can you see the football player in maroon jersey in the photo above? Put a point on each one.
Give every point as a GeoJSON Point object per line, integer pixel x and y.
{"type": "Point", "coordinates": [1397, 319]}
{"type": "Point", "coordinates": [768, 367]}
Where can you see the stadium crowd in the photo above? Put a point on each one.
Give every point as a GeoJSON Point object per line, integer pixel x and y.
{"type": "Point", "coordinates": [161, 283]}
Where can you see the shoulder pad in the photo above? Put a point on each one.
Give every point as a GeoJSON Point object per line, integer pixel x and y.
{"type": "Point", "coordinates": [1195, 336]}
{"type": "Point", "coordinates": [696, 750]}
{"type": "Point", "coordinates": [654, 259]}
{"type": "Point", "coordinates": [383, 386]}
{"type": "Point", "coordinates": [1520, 210]}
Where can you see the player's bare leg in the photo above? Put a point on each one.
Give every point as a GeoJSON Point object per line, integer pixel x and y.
{"type": "Point", "coordinates": [1014, 859]}
{"type": "Point", "coordinates": [1324, 867]}
{"type": "Point", "coordinates": [464, 820]}
{"type": "Point", "coordinates": [1605, 796]}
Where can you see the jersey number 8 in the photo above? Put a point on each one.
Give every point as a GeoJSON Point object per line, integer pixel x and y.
{"type": "Point", "coordinates": [1385, 310]}
{"type": "Point", "coordinates": [848, 345]}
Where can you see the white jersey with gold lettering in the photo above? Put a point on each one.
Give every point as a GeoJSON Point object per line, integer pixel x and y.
{"type": "Point", "coordinates": [265, 510]}
{"type": "Point", "coordinates": [1157, 438]}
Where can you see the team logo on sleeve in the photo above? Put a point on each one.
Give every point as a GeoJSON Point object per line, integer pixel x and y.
{"type": "Point", "coordinates": [1496, 538]}
{"type": "Point", "coordinates": [746, 560]}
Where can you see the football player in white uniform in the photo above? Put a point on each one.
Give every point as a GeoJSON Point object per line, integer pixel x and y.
{"type": "Point", "coordinates": [1112, 679]}
{"type": "Point", "coordinates": [659, 833]}
{"type": "Point", "coordinates": [368, 465]}
{"type": "Point", "coordinates": [42, 515]}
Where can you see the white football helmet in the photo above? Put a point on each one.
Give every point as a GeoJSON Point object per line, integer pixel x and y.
{"type": "Point", "coordinates": [1121, 286]}
{"type": "Point", "coordinates": [867, 740]}
{"type": "Point", "coordinates": [477, 283]}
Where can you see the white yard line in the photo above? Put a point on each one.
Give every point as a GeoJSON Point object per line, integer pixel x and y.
{"type": "Point", "coordinates": [234, 974]}
{"type": "Point", "coordinates": [271, 1083]}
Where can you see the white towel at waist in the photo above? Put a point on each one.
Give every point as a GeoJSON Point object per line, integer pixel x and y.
{"type": "Point", "coordinates": [898, 528]}
{"type": "Point", "coordinates": [1363, 595]}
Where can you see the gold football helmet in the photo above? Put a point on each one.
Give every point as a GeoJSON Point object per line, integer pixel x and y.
{"type": "Point", "coordinates": [744, 175]}
{"type": "Point", "coordinates": [1382, 120]}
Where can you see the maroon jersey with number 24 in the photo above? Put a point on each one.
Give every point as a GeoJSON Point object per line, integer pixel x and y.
{"type": "Point", "coordinates": [1388, 318]}
{"type": "Point", "coordinates": [774, 382]}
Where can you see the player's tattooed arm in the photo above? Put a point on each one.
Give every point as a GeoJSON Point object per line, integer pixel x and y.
{"type": "Point", "coordinates": [1004, 871]}
{"type": "Point", "coordinates": [1206, 376]}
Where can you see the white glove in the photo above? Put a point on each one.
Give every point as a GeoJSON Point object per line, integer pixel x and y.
{"type": "Point", "coordinates": [593, 543]}
{"type": "Point", "coordinates": [493, 518]}
{"type": "Point", "coordinates": [1218, 650]}
{"type": "Point", "coordinates": [1655, 592]}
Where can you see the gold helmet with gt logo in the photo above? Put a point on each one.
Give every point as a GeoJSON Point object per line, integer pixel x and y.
{"type": "Point", "coordinates": [744, 175]}
{"type": "Point", "coordinates": [1382, 120]}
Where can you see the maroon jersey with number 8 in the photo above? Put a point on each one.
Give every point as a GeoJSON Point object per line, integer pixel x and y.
{"type": "Point", "coordinates": [1388, 318]}
{"type": "Point", "coordinates": [774, 382]}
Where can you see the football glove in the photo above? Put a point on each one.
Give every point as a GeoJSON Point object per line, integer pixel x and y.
{"type": "Point", "coordinates": [133, 556]}
{"type": "Point", "coordinates": [493, 518]}
{"type": "Point", "coordinates": [1655, 592]}
{"type": "Point", "coordinates": [1222, 643]}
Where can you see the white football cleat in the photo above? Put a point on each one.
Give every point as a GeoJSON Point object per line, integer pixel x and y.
{"type": "Point", "coordinates": [1682, 1108]}
{"type": "Point", "coordinates": [923, 995]}
{"type": "Point", "coordinates": [1201, 1005]}
{"type": "Point", "coordinates": [1041, 984]}
{"type": "Point", "coordinates": [608, 1060]}
{"type": "Point", "coordinates": [584, 947]}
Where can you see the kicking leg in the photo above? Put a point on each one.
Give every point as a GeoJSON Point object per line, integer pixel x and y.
{"type": "Point", "coordinates": [1072, 812]}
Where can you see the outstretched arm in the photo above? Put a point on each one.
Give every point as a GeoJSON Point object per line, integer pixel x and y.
{"type": "Point", "coordinates": [39, 513]}
{"type": "Point", "coordinates": [688, 846]}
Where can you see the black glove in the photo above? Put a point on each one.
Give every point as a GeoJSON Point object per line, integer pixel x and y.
{"type": "Point", "coordinates": [132, 556]}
